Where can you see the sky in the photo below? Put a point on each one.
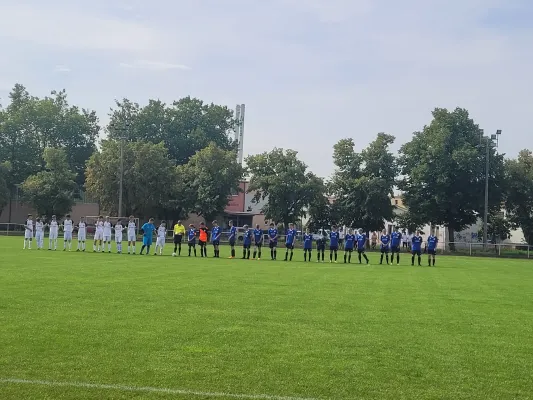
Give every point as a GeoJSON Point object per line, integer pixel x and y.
{"type": "Point", "coordinates": [311, 72]}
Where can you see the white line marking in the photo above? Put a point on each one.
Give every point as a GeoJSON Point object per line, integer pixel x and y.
{"type": "Point", "coordinates": [126, 388]}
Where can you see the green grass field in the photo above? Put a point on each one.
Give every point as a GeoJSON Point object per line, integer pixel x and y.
{"type": "Point", "coordinates": [108, 326]}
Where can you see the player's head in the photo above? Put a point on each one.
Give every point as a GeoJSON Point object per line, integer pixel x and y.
{"type": "Point", "coordinates": [272, 224]}
{"type": "Point", "coordinates": [30, 216]}
{"type": "Point", "coordinates": [350, 231]}
{"type": "Point", "coordinates": [38, 219]}
{"type": "Point", "coordinates": [257, 226]}
{"type": "Point", "coordinates": [191, 226]}
{"type": "Point", "coordinates": [119, 222]}
{"type": "Point", "coordinates": [291, 226]}
{"type": "Point", "coordinates": [383, 232]}
{"type": "Point", "coordinates": [333, 228]}
{"type": "Point", "coordinates": [307, 230]}
{"type": "Point", "coordinates": [53, 217]}
{"type": "Point", "coordinates": [107, 218]}
{"type": "Point", "coordinates": [360, 231]}
{"type": "Point", "coordinates": [67, 216]}
{"type": "Point", "coordinates": [230, 223]}
{"type": "Point", "coordinates": [151, 220]}
{"type": "Point", "coordinates": [82, 219]}
{"type": "Point", "coordinates": [179, 222]}
{"type": "Point", "coordinates": [202, 224]}
{"type": "Point", "coordinates": [100, 218]}
{"type": "Point", "coordinates": [132, 217]}
{"type": "Point", "coordinates": [215, 223]}
{"type": "Point", "coordinates": [419, 233]}
{"type": "Point", "coordinates": [245, 227]}
{"type": "Point", "coordinates": [163, 223]}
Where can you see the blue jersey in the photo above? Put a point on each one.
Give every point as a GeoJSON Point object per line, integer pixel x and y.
{"type": "Point", "coordinates": [215, 234]}
{"type": "Point", "coordinates": [361, 241]}
{"type": "Point", "coordinates": [291, 235]}
{"type": "Point", "coordinates": [334, 239]}
{"type": "Point", "coordinates": [273, 234]}
{"type": "Point", "coordinates": [396, 239]}
{"type": "Point", "coordinates": [432, 242]}
{"type": "Point", "coordinates": [247, 238]}
{"type": "Point", "coordinates": [258, 236]}
{"type": "Point", "coordinates": [232, 233]}
{"type": "Point", "coordinates": [349, 241]}
{"type": "Point", "coordinates": [385, 240]}
{"type": "Point", "coordinates": [148, 229]}
{"type": "Point", "coordinates": [191, 235]}
{"type": "Point", "coordinates": [308, 241]}
{"type": "Point", "coordinates": [417, 243]}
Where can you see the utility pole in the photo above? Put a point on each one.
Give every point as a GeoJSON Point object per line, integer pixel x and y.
{"type": "Point", "coordinates": [489, 140]}
{"type": "Point", "coordinates": [121, 177]}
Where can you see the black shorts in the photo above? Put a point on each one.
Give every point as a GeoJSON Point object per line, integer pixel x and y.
{"type": "Point", "coordinates": [245, 246]}
{"type": "Point", "coordinates": [395, 249]}
{"type": "Point", "coordinates": [348, 250]}
{"type": "Point", "coordinates": [178, 239]}
{"type": "Point", "coordinates": [360, 251]}
{"type": "Point", "coordinates": [192, 244]}
{"type": "Point", "coordinates": [259, 245]}
{"type": "Point", "coordinates": [273, 245]}
{"type": "Point", "coordinates": [232, 242]}
{"type": "Point", "coordinates": [201, 243]}
{"type": "Point", "coordinates": [216, 242]}
{"type": "Point", "coordinates": [385, 249]}
{"type": "Point", "coordinates": [333, 248]}
{"type": "Point", "coordinates": [416, 252]}
{"type": "Point", "coordinates": [341, 241]}
{"type": "Point", "coordinates": [432, 252]}
{"type": "Point", "coordinates": [289, 246]}
{"type": "Point", "coordinates": [321, 247]}
{"type": "Point", "coordinates": [308, 249]}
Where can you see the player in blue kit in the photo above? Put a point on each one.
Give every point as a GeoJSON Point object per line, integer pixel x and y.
{"type": "Point", "coordinates": [232, 238]}
{"type": "Point", "coordinates": [258, 242]}
{"type": "Point", "coordinates": [349, 241]}
{"type": "Point", "coordinates": [385, 242]}
{"type": "Point", "coordinates": [290, 237]}
{"type": "Point", "coordinates": [273, 241]}
{"type": "Point", "coordinates": [148, 230]}
{"type": "Point", "coordinates": [333, 243]}
{"type": "Point", "coordinates": [416, 248]}
{"type": "Point", "coordinates": [396, 240]}
{"type": "Point", "coordinates": [432, 247]}
{"type": "Point", "coordinates": [361, 243]}
{"type": "Point", "coordinates": [308, 245]}
{"type": "Point", "coordinates": [191, 239]}
{"type": "Point", "coordinates": [246, 242]}
{"type": "Point", "coordinates": [216, 232]}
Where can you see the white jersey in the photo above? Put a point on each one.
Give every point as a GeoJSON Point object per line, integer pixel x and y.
{"type": "Point", "coordinates": [29, 226]}
{"type": "Point", "coordinates": [118, 232]}
{"type": "Point", "coordinates": [161, 232]}
{"type": "Point", "coordinates": [82, 227]}
{"type": "Point", "coordinates": [68, 226]}
{"type": "Point", "coordinates": [132, 228]}
{"type": "Point", "coordinates": [54, 227]}
{"type": "Point", "coordinates": [100, 226]}
{"type": "Point", "coordinates": [39, 227]}
{"type": "Point", "coordinates": [107, 229]}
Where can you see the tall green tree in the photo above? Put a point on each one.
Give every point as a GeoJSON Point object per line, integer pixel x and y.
{"type": "Point", "coordinates": [51, 191]}
{"type": "Point", "coordinates": [322, 213]}
{"type": "Point", "coordinates": [363, 182]}
{"type": "Point", "coordinates": [443, 171]}
{"type": "Point", "coordinates": [498, 227]}
{"type": "Point", "coordinates": [185, 127]}
{"type": "Point", "coordinates": [4, 188]}
{"type": "Point", "coordinates": [208, 180]}
{"type": "Point", "coordinates": [149, 180]}
{"type": "Point", "coordinates": [519, 197]}
{"type": "Point", "coordinates": [283, 181]}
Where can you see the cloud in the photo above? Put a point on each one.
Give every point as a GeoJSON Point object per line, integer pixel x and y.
{"type": "Point", "coordinates": [62, 68]}
{"type": "Point", "coordinates": [154, 65]}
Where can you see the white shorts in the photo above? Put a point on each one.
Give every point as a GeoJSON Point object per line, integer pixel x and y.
{"type": "Point", "coordinates": [160, 242]}
{"type": "Point", "coordinates": [118, 238]}
{"type": "Point", "coordinates": [98, 235]}
{"type": "Point", "coordinates": [132, 237]}
{"type": "Point", "coordinates": [52, 235]}
{"type": "Point", "coordinates": [67, 235]}
{"type": "Point", "coordinates": [107, 237]}
{"type": "Point", "coordinates": [82, 236]}
{"type": "Point", "coordinates": [39, 236]}
{"type": "Point", "coordinates": [28, 234]}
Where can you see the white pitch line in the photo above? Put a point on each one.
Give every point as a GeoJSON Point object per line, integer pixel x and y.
{"type": "Point", "coordinates": [149, 389]}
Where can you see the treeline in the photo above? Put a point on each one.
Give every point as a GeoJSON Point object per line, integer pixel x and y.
{"type": "Point", "coordinates": [181, 158]}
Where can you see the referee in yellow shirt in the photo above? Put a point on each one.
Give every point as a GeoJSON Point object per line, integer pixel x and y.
{"type": "Point", "coordinates": [179, 231]}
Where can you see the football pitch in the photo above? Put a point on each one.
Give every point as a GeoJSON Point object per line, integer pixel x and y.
{"type": "Point", "coordinates": [108, 326]}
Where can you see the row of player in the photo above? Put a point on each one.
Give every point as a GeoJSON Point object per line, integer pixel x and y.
{"type": "Point", "coordinates": [353, 240]}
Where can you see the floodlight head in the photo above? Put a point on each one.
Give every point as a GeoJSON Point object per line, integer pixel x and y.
{"type": "Point", "coordinates": [493, 137]}
{"type": "Point", "coordinates": [499, 132]}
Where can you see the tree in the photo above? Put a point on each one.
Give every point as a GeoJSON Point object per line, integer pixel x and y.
{"type": "Point", "coordinates": [149, 180]}
{"type": "Point", "coordinates": [498, 228]}
{"type": "Point", "coordinates": [208, 179]}
{"type": "Point", "coordinates": [410, 221]}
{"type": "Point", "coordinates": [281, 179]}
{"type": "Point", "coordinates": [519, 196]}
{"type": "Point", "coordinates": [51, 191]}
{"type": "Point", "coordinates": [322, 213]}
{"type": "Point", "coordinates": [443, 170]}
{"type": "Point", "coordinates": [363, 182]}
{"type": "Point", "coordinates": [4, 189]}
{"type": "Point", "coordinates": [185, 127]}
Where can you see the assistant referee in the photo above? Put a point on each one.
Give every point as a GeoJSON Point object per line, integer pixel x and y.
{"type": "Point", "coordinates": [179, 231]}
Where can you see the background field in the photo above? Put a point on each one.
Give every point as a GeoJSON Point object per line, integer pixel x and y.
{"type": "Point", "coordinates": [463, 330]}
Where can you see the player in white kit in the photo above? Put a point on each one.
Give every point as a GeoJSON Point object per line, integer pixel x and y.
{"type": "Point", "coordinates": [54, 231]}
{"type": "Point", "coordinates": [107, 234]}
{"type": "Point", "coordinates": [118, 236]}
{"type": "Point", "coordinates": [132, 234]}
{"type": "Point", "coordinates": [39, 233]}
{"type": "Point", "coordinates": [28, 232]}
{"type": "Point", "coordinates": [82, 234]}
{"type": "Point", "coordinates": [98, 234]}
{"type": "Point", "coordinates": [68, 228]}
{"type": "Point", "coordinates": [161, 236]}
